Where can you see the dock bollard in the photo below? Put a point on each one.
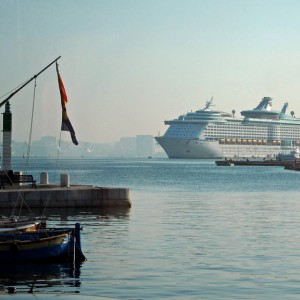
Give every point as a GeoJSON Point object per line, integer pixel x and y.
{"type": "Point", "coordinates": [44, 178]}
{"type": "Point", "coordinates": [64, 180]}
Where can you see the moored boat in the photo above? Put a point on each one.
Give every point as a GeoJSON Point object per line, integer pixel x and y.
{"type": "Point", "coordinates": [62, 244]}
{"type": "Point", "coordinates": [290, 156]}
{"type": "Point", "coordinates": [17, 224]}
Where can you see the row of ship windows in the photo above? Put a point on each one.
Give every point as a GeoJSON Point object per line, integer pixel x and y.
{"type": "Point", "coordinates": [252, 132]}
{"type": "Point", "coordinates": [236, 126]}
{"type": "Point", "coordinates": [182, 132]}
{"type": "Point", "coordinates": [255, 131]}
{"type": "Point", "coordinates": [231, 133]}
{"type": "Point", "coordinates": [258, 142]}
{"type": "Point", "coordinates": [252, 129]}
{"type": "Point", "coordinates": [251, 125]}
{"type": "Point", "coordinates": [282, 132]}
{"type": "Point", "coordinates": [239, 135]}
{"type": "Point", "coordinates": [248, 136]}
{"type": "Point", "coordinates": [237, 129]}
{"type": "Point", "coordinates": [243, 129]}
{"type": "Point", "coordinates": [241, 132]}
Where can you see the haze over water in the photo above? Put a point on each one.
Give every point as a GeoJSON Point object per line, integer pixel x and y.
{"type": "Point", "coordinates": [195, 230]}
{"type": "Point", "coordinates": [154, 60]}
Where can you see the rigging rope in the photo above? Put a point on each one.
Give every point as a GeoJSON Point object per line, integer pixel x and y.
{"type": "Point", "coordinates": [9, 92]}
{"type": "Point", "coordinates": [30, 132]}
{"type": "Point", "coordinates": [56, 170]}
{"type": "Point", "coordinates": [22, 200]}
{"type": "Point", "coordinates": [59, 142]}
{"type": "Point", "coordinates": [20, 196]}
{"type": "Point", "coordinates": [13, 92]}
{"type": "Point", "coordinates": [27, 156]}
{"type": "Point", "coordinates": [58, 150]}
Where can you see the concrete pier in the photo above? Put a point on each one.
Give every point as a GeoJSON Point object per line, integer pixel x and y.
{"type": "Point", "coordinates": [55, 196]}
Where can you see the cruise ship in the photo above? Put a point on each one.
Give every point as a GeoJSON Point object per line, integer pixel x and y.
{"type": "Point", "coordinates": [209, 133]}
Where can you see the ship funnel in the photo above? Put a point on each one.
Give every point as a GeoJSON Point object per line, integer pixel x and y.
{"type": "Point", "coordinates": [265, 104]}
{"type": "Point", "coordinates": [285, 106]}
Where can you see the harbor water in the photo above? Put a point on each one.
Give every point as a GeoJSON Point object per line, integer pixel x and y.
{"type": "Point", "coordinates": [194, 231]}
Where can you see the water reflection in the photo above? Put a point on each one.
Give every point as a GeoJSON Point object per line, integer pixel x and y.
{"type": "Point", "coordinates": [40, 276]}
{"type": "Point", "coordinates": [78, 214]}
{"type": "Point", "coordinates": [99, 226]}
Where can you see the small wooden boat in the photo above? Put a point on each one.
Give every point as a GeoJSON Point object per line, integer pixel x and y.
{"type": "Point", "coordinates": [62, 244]}
{"type": "Point", "coordinates": [17, 224]}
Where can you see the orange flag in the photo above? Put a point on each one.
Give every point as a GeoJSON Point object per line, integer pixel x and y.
{"type": "Point", "coordinates": [65, 124]}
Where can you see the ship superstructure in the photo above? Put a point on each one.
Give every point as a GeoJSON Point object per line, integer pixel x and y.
{"type": "Point", "coordinates": [209, 133]}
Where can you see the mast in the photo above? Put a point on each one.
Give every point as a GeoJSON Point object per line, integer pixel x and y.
{"type": "Point", "coordinates": [7, 121]}
{"type": "Point", "coordinates": [35, 76]}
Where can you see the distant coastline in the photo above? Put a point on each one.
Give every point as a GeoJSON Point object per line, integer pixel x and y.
{"type": "Point", "coordinates": [139, 146]}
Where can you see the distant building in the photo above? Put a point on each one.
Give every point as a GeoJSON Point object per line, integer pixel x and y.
{"type": "Point", "coordinates": [49, 146]}
{"type": "Point", "coordinates": [127, 146]}
{"type": "Point", "coordinates": [144, 145]}
{"type": "Point", "coordinates": [46, 146]}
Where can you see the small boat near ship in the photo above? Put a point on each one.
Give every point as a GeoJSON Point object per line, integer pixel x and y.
{"type": "Point", "coordinates": [290, 156]}
{"type": "Point", "coordinates": [251, 162]}
{"type": "Point", "coordinates": [281, 159]}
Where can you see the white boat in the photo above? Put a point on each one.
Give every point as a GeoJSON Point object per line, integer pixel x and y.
{"type": "Point", "coordinates": [290, 156]}
{"type": "Point", "coordinates": [20, 224]}
{"type": "Point", "coordinates": [208, 133]}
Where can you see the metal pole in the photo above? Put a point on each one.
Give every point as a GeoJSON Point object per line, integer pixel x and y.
{"type": "Point", "coordinates": [35, 76]}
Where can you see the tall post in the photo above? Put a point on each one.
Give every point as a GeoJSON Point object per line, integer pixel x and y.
{"type": "Point", "coordinates": [7, 125]}
{"type": "Point", "coordinates": [7, 121]}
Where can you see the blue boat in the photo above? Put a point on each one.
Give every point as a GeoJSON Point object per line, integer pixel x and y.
{"type": "Point", "coordinates": [61, 244]}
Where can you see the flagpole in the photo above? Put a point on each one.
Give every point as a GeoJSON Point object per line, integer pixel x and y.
{"type": "Point", "coordinates": [35, 76]}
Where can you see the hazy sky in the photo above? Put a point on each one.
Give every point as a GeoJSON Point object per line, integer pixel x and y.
{"type": "Point", "coordinates": [128, 65]}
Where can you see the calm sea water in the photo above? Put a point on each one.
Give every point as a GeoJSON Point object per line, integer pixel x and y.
{"type": "Point", "coordinates": [195, 231]}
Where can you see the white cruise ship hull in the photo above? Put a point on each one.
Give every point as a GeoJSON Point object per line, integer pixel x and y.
{"type": "Point", "coordinates": [198, 149]}
{"type": "Point", "coordinates": [187, 148]}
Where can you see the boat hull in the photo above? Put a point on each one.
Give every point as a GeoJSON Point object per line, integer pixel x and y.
{"type": "Point", "coordinates": [18, 226]}
{"type": "Point", "coordinates": [203, 149]}
{"type": "Point", "coordinates": [40, 250]}
{"type": "Point", "coordinates": [189, 148]}
{"type": "Point", "coordinates": [43, 245]}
